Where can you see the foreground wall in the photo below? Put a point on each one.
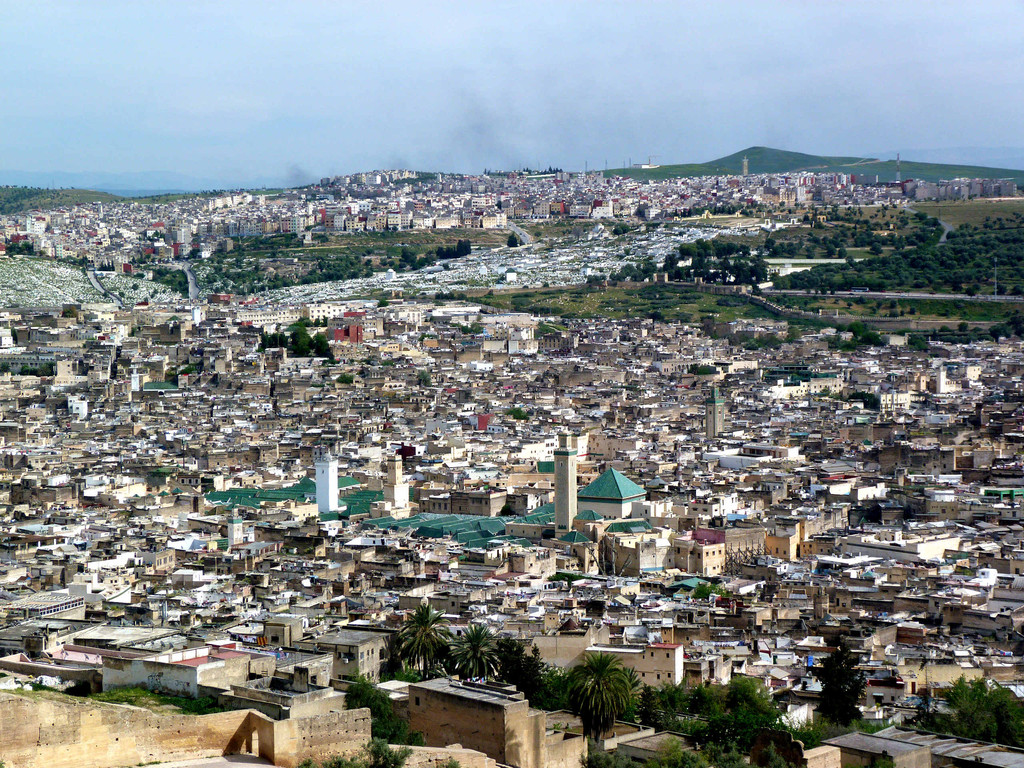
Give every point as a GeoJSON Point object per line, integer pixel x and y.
{"type": "Point", "coordinates": [46, 731]}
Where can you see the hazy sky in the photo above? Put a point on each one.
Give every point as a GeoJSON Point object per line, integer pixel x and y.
{"type": "Point", "coordinates": [242, 90]}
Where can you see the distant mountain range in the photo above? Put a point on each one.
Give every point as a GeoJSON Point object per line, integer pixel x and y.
{"type": "Point", "coordinates": [768, 160]}
{"type": "Point", "coordinates": [133, 184]}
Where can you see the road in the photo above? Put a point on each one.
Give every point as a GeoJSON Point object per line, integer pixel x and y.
{"type": "Point", "coordinates": [101, 288]}
{"type": "Point", "coordinates": [895, 295]}
{"type": "Point", "coordinates": [193, 284]}
{"type": "Point", "coordinates": [524, 237]}
{"type": "Point", "coordinates": [946, 226]}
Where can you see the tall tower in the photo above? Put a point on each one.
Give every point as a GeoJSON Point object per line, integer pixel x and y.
{"type": "Point", "coordinates": [746, 166]}
{"type": "Point", "coordinates": [235, 532]}
{"type": "Point", "coordinates": [565, 484]}
{"type": "Point", "coordinates": [396, 490]}
{"type": "Point", "coordinates": [714, 414]}
{"type": "Point", "coordinates": [898, 177]}
{"type": "Point", "coordinates": [326, 482]}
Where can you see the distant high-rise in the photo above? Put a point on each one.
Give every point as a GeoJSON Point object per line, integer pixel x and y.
{"type": "Point", "coordinates": [714, 414]}
{"type": "Point", "coordinates": [898, 178]}
{"type": "Point", "coordinates": [746, 166]}
{"type": "Point", "coordinates": [565, 483]}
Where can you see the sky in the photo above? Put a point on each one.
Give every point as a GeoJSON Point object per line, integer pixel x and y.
{"type": "Point", "coordinates": [231, 93]}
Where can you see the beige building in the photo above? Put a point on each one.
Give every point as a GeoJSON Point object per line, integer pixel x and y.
{"type": "Point", "coordinates": [493, 719]}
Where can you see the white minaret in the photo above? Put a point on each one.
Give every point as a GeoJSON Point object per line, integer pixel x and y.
{"type": "Point", "coordinates": [235, 532]}
{"type": "Point", "coordinates": [565, 484]}
{"type": "Point", "coordinates": [326, 483]}
{"type": "Point", "coordinates": [396, 490]}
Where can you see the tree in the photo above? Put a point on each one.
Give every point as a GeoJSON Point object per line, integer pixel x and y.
{"type": "Point", "coordinates": [384, 723]}
{"type": "Point", "coordinates": [519, 668]}
{"type": "Point", "coordinates": [424, 637]}
{"type": "Point", "coordinates": [380, 754]}
{"type": "Point", "coordinates": [981, 710]}
{"type": "Point", "coordinates": [674, 755]}
{"type": "Point", "coordinates": [513, 241]}
{"type": "Point", "coordinates": [475, 654]}
{"type": "Point", "coordinates": [842, 686]}
{"type": "Point", "coordinates": [599, 692]}
{"type": "Point", "coordinates": [423, 378]}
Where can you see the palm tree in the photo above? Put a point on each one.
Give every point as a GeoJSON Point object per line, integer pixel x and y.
{"type": "Point", "coordinates": [424, 637]}
{"type": "Point", "coordinates": [599, 691]}
{"type": "Point", "coordinates": [475, 654]}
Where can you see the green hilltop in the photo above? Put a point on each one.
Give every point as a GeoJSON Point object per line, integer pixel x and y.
{"type": "Point", "coordinates": [18, 199]}
{"type": "Point", "coordinates": [768, 160]}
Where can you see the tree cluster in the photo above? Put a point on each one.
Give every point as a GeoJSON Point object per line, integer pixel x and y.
{"type": "Point", "coordinates": [716, 262]}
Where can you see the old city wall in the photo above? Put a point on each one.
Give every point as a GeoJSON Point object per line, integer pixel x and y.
{"type": "Point", "coordinates": [434, 757]}
{"type": "Point", "coordinates": [42, 733]}
{"type": "Point", "coordinates": [49, 732]}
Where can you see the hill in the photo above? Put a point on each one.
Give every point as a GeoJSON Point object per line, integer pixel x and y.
{"type": "Point", "coordinates": [18, 199]}
{"type": "Point", "coordinates": [768, 160]}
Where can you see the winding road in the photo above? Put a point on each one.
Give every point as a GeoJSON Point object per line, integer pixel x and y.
{"type": "Point", "coordinates": [193, 284]}
{"type": "Point", "coordinates": [91, 273]}
{"type": "Point", "coordinates": [946, 226]}
{"type": "Point", "coordinates": [524, 237]}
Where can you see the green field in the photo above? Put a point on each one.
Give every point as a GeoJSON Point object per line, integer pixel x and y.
{"type": "Point", "coordinates": [667, 302]}
{"type": "Point", "coordinates": [974, 212]}
{"type": "Point", "coordinates": [768, 160]}
{"type": "Point", "coordinates": [911, 309]}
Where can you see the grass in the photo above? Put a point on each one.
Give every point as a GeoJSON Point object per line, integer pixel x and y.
{"type": "Point", "coordinates": [158, 702]}
{"type": "Point", "coordinates": [910, 309]}
{"type": "Point", "coordinates": [668, 302]}
{"type": "Point", "coordinates": [973, 212]}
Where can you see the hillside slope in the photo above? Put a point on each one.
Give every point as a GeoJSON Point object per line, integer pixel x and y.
{"type": "Point", "coordinates": [18, 199]}
{"type": "Point", "coordinates": [768, 160]}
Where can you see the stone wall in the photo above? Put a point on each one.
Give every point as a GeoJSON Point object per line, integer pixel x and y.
{"type": "Point", "coordinates": [432, 757]}
{"type": "Point", "coordinates": [45, 730]}
{"type": "Point", "coordinates": [45, 733]}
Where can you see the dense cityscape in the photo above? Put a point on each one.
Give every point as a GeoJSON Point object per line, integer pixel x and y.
{"type": "Point", "coordinates": [547, 443]}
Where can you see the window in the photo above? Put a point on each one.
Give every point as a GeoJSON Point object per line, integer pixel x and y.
{"type": "Point", "coordinates": [417, 701]}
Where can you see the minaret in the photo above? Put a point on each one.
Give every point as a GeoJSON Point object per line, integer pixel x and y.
{"type": "Point", "coordinates": [396, 490]}
{"type": "Point", "coordinates": [714, 414]}
{"type": "Point", "coordinates": [898, 177]}
{"type": "Point", "coordinates": [235, 532]}
{"type": "Point", "coordinates": [746, 166]}
{"type": "Point", "coordinates": [326, 482]}
{"type": "Point", "coordinates": [565, 484]}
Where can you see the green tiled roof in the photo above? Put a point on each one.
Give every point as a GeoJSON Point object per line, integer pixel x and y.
{"type": "Point", "coordinates": [629, 526]}
{"type": "Point", "coordinates": [575, 537]}
{"type": "Point", "coordinates": [612, 485]}
{"type": "Point", "coordinates": [589, 515]}
{"type": "Point", "coordinates": [151, 386]}
{"type": "Point", "coordinates": [254, 497]}
{"type": "Point", "coordinates": [546, 467]}
{"type": "Point", "coordinates": [358, 502]}
{"type": "Point", "coordinates": [470, 530]}
{"type": "Point", "coordinates": [542, 515]}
